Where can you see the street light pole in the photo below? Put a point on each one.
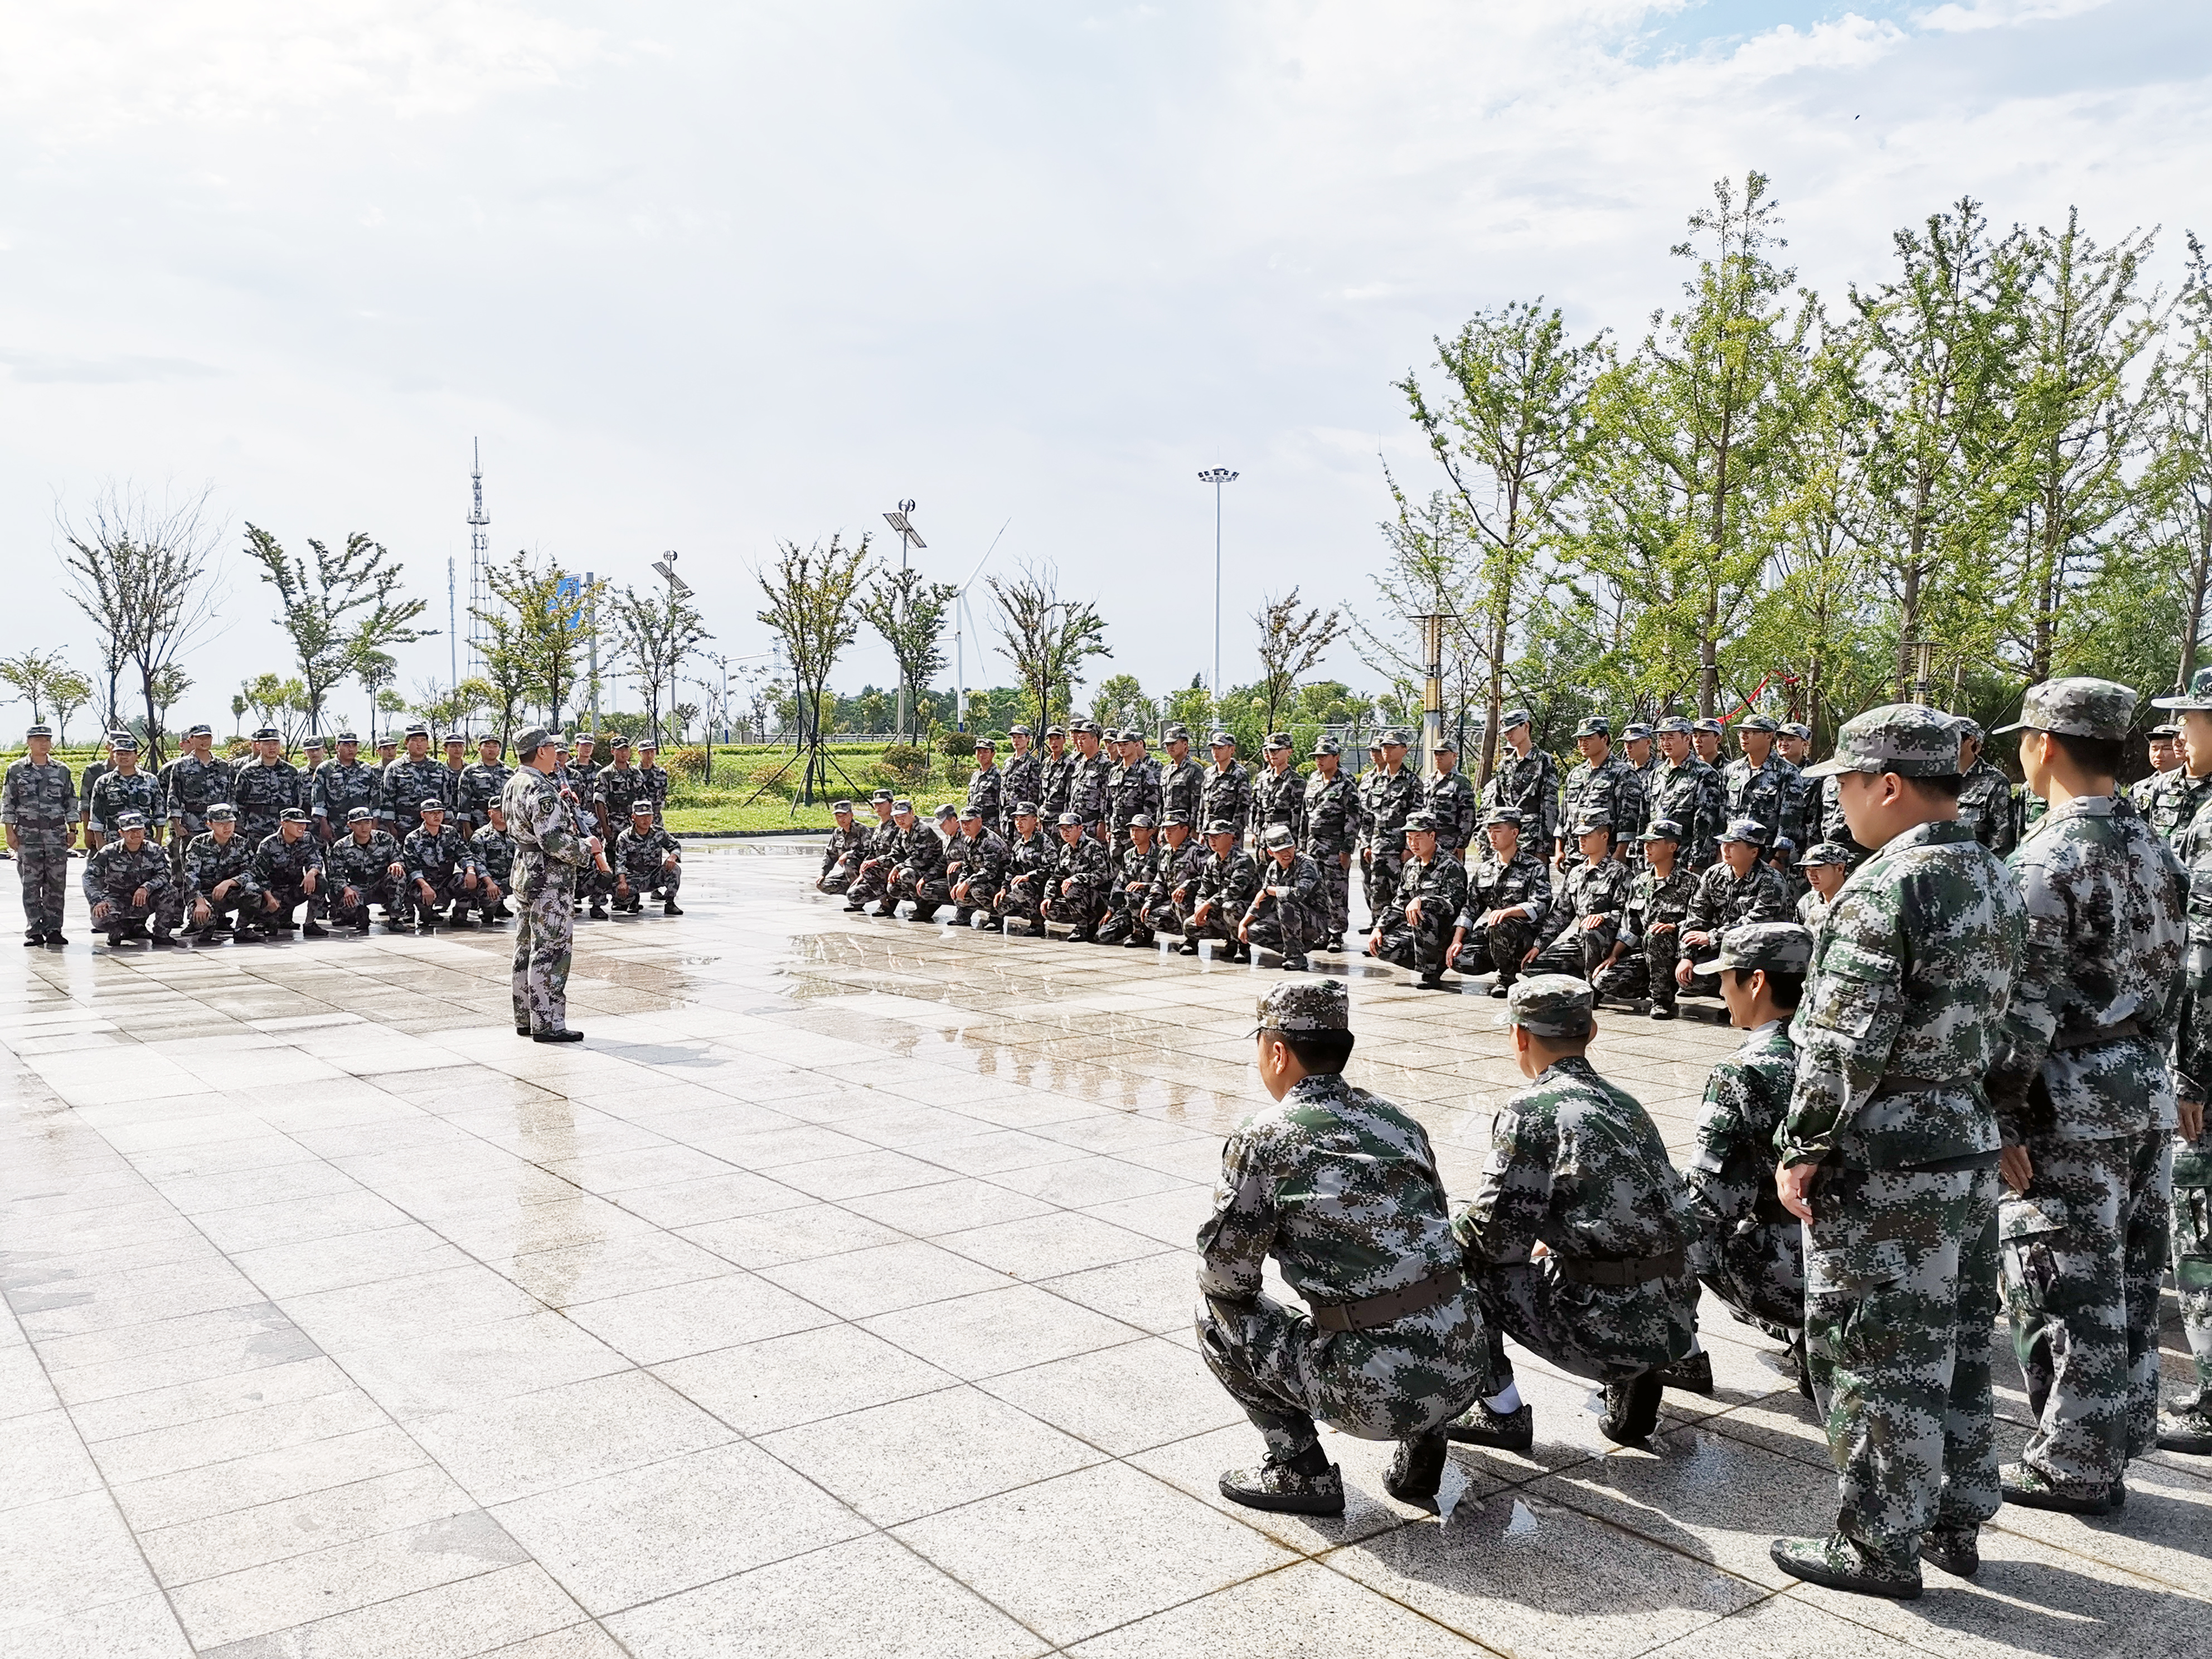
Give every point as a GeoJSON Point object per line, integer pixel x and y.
{"type": "Point", "coordinates": [1217, 476]}
{"type": "Point", "coordinates": [900, 522]}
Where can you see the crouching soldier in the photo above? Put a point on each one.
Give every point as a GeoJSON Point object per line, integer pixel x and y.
{"type": "Point", "coordinates": [1341, 1188]}
{"type": "Point", "coordinates": [1576, 1237]}
{"type": "Point", "coordinates": [1585, 921]}
{"type": "Point", "coordinates": [1658, 901]}
{"type": "Point", "coordinates": [1075, 887]}
{"type": "Point", "coordinates": [442, 871]}
{"type": "Point", "coordinates": [1415, 928]}
{"type": "Point", "coordinates": [287, 873]}
{"type": "Point", "coordinates": [1289, 914]}
{"type": "Point", "coordinates": [1174, 875]}
{"type": "Point", "coordinates": [127, 883]}
{"type": "Point", "coordinates": [1509, 894]}
{"type": "Point", "coordinates": [1748, 1250]}
{"type": "Point", "coordinates": [1125, 924]}
{"type": "Point", "coordinates": [841, 858]}
{"type": "Point", "coordinates": [648, 862]}
{"type": "Point", "coordinates": [921, 874]}
{"type": "Point", "coordinates": [1742, 887]}
{"type": "Point", "coordinates": [366, 865]}
{"type": "Point", "coordinates": [1030, 860]}
{"type": "Point", "coordinates": [1827, 865]}
{"type": "Point", "coordinates": [872, 876]}
{"type": "Point", "coordinates": [218, 879]}
{"type": "Point", "coordinates": [975, 865]}
{"type": "Point", "coordinates": [1221, 892]}
{"type": "Point", "coordinates": [495, 854]}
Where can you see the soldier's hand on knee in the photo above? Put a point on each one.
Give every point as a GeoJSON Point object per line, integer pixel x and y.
{"type": "Point", "coordinates": [100, 910]}
{"type": "Point", "coordinates": [1528, 956]}
{"type": "Point", "coordinates": [2192, 1114]}
{"type": "Point", "coordinates": [138, 899]}
{"type": "Point", "coordinates": [2016, 1167]}
{"type": "Point", "coordinates": [1682, 972]}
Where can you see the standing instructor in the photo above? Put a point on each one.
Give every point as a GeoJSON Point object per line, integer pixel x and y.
{"type": "Point", "coordinates": [541, 817]}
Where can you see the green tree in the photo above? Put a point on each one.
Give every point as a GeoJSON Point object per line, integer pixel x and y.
{"type": "Point", "coordinates": [654, 633]}
{"type": "Point", "coordinates": [30, 672]}
{"type": "Point", "coordinates": [811, 609]}
{"type": "Point", "coordinates": [909, 613]}
{"type": "Point", "coordinates": [549, 614]}
{"type": "Point", "coordinates": [1291, 646]}
{"type": "Point", "coordinates": [2180, 488]}
{"type": "Point", "coordinates": [1121, 701]}
{"type": "Point", "coordinates": [1047, 638]}
{"type": "Point", "coordinates": [336, 610]}
{"type": "Point", "coordinates": [67, 692]}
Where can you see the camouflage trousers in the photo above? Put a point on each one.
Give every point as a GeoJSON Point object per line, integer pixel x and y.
{"type": "Point", "coordinates": [288, 896]}
{"type": "Point", "coordinates": [1758, 1268]}
{"type": "Point", "coordinates": [654, 881]}
{"type": "Point", "coordinates": [1379, 872]}
{"type": "Point", "coordinates": [240, 904]}
{"type": "Point", "coordinates": [594, 886]}
{"type": "Point", "coordinates": [1498, 949]}
{"type": "Point", "coordinates": [2084, 1254]}
{"type": "Point", "coordinates": [1125, 919]}
{"type": "Point", "coordinates": [840, 875]}
{"type": "Point", "coordinates": [1018, 899]}
{"type": "Point", "coordinates": [870, 883]}
{"type": "Point", "coordinates": [1288, 929]}
{"type": "Point", "coordinates": [122, 913]}
{"type": "Point", "coordinates": [1578, 952]}
{"type": "Point", "coordinates": [1082, 908]}
{"type": "Point", "coordinates": [2190, 1223]}
{"type": "Point", "coordinates": [45, 874]}
{"type": "Point", "coordinates": [1647, 970]}
{"type": "Point", "coordinates": [392, 893]}
{"type": "Point", "coordinates": [545, 926]}
{"type": "Point", "coordinates": [1336, 886]}
{"type": "Point", "coordinates": [1402, 1380]}
{"type": "Point", "coordinates": [1607, 1332]}
{"type": "Point", "coordinates": [446, 891]}
{"type": "Point", "coordinates": [926, 892]}
{"type": "Point", "coordinates": [1420, 946]}
{"type": "Point", "coordinates": [1900, 1303]}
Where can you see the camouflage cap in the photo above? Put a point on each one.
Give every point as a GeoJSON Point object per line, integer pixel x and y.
{"type": "Point", "coordinates": [2198, 696]}
{"type": "Point", "coordinates": [1593, 726]}
{"type": "Point", "coordinates": [1785, 847]}
{"type": "Point", "coordinates": [1673, 725]}
{"type": "Point", "coordinates": [267, 734]}
{"type": "Point", "coordinates": [649, 742]}
{"type": "Point", "coordinates": [432, 804]}
{"type": "Point", "coordinates": [844, 806]}
{"type": "Point", "coordinates": [641, 809]}
{"type": "Point", "coordinates": [946, 809]}
{"type": "Point", "coordinates": [1510, 815]}
{"type": "Point", "coordinates": [534, 739]}
{"type": "Point", "coordinates": [1635, 732]}
{"type": "Point", "coordinates": [359, 814]}
{"type": "Point", "coordinates": [417, 730]}
{"type": "Point", "coordinates": [2077, 706]}
{"type": "Point", "coordinates": [293, 815]}
{"type": "Point", "coordinates": [1662, 829]}
{"type": "Point", "coordinates": [1779, 947]}
{"type": "Point", "coordinates": [454, 740]}
{"type": "Point", "coordinates": [1326, 746]}
{"type": "Point", "coordinates": [882, 796]}
{"type": "Point", "coordinates": [134, 820]}
{"type": "Point", "coordinates": [1968, 726]}
{"type": "Point", "coordinates": [1825, 852]}
{"type": "Point", "coordinates": [562, 745]}
{"type": "Point", "coordinates": [1908, 738]}
{"type": "Point", "coordinates": [1176, 732]}
{"type": "Point", "coordinates": [900, 803]}
{"type": "Point", "coordinates": [1798, 730]}
{"type": "Point", "coordinates": [1758, 723]}
{"type": "Point", "coordinates": [1025, 809]}
{"type": "Point", "coordinates": [621, 740]}
{"type": "Point", "coordinates": [1549, 1006]}
{"type": "Point", "coordinates": [1276, 740]}
{"type": "Point", "coordinates": [1177, 816]}
{"type": "Point", "coordinates": [1394, 738]}
{"type": "Point", "coordinates": [1221, 740]}
{"type": "Point", "coordinates": [1071, 820]}
{"type": "Point", "coordinates": [1220, 827]}
{"type": "Point", "coordinates": [124, 744]}
{"type": "Point", "coordinates": [355, 738]}
{"type": "Point", "coordinates": [1278, 837]}
{"type": "Point", "coordinates": [970, 810]}
{"type": "Point", "coordinates": [1375, 744]}
{"type": "Point", "coordinates": [990, 743]}
{"type": "Point", "coordinates": [1420, 824]}
{"type": "Point", "coordinates": [1587, 824]}
{"type": "Point", "coordinates": [1513, 717]}
{"type": "Point", "coordinates": [1055, 730]}
{"type": "Point", "coordinates": [1298, 1005]}
{"type": "Point", "coordinates": [1746, 830]}
{"type": "Point", "coordinates": [41, 730]}
{"type": "Point", "coordinates": [200, 729]}
{"type": "Point", "coordinates": [1447, 744]}
{"type": "Point", "coordinates": [1709, 726]}
{"type": "Point", "coordinates": [2165, 729]}
{"type": "Point", "coordinates": [222, 812]}
{"type": "Point", "coordinates": [1143, 821]}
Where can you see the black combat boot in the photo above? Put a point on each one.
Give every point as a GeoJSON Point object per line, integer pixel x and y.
{"type": "Point", "coordinates": [1308, 1483]}
{"type": "Point", "coordinates": [668, 908]}
{"type": "Point", "coordinates": [1418, 1470]}
{"type": "Point", "coordinates": [1631, 1410]}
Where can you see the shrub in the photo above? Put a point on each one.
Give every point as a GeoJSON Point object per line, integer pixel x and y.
{"type": "Point", "coordinates": [688, 763]}
{"type": "Point", "coordinates": [908, 765]}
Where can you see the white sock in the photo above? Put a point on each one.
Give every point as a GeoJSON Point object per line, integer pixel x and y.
{"type": "Point", "coordinates": [1697, 1346]}
{"type": "Point", "coordinates": [1506, 1401]}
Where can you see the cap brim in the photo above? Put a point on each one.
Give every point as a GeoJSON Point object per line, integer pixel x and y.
{"type": "Point", "coordinates": [2017, 725]}
{"type": "Point", "coordinates": [2182, 702]}
{"type": "Point", "coordinates": [1828, 769]}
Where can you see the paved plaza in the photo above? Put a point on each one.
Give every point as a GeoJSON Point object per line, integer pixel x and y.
{"type": "Point", "coordinates": [832, 1299]}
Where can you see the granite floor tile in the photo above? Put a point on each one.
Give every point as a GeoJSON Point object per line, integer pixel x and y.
{"type": "Point", "coordinates": [1304, 1612]}
{"type": "Point", "coordinates": [763, 1386]}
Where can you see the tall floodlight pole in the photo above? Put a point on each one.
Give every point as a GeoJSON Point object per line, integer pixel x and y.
{"type": "Point", "coordinates": [1217, 476]}
{"type": "Point", "coordinates": [900, 522]}
{"type": "Point", "coordinates": [452, 631]}
{"type": "Point", "coordinates": [479, 554]}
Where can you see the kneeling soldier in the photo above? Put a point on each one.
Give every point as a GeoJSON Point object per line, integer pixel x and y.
{"type": "Point", "coordinates": [287, 873]}
{"type": "Point", "coordinates": [218, 877]}
{"type": "Point", "coordinates": [841, 858]}
{"type": "Point", "coordinates": [872, 876]}
{"type": "Point", "coordinates": [1509, 894]}
{"type": "Point", "coordinates": [1576, 1237]}
{"type": "Point", "coordinates": [442, 871]}
{"type": "Point", "coordinates": [1174, 875]}
{"type": "Point", "coordinates": [1075, 886]}
{"type": "Point", "coordinates": [1742, 887]}
{"type": "Point", "coordinates": [1029, 868]}
{"type": "Point", "coordinates": [1827, 865]}
{"type": "Point", "coordinates": [1585, 920]}
{"type": "Point", "coordinates": [1222, 891]}
{"type": "Point", "coordinates": [494, 849]}
{"type": "Point", "coordinates": [1133, 865]}
{"type": "Point", "coordinates": [126, 882]}
{"type": "Point", "coordinates": [1415, 928]}
{"type": "Point", "coordinates": [366, 865]}
{"type": "Point", "coordinates": [1341, 1189]}
{"type": "Point", "coordinates": [920, 872]}
{"type": "Point", "coordinates": [648, 861]}
{"type": "Point", "coordinates": [975, 865]}
{"type": "Point", "coordinates": [1289, 914]}
{"type": "Point", "coordinates": [1658, 902]}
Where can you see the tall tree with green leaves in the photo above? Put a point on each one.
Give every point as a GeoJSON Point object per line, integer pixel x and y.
{"type": "Point", "coordinates": [2180, 488]}
{"type": "Point", "coordinates": [810, 595]}
{"type": "Point", "coordinates": [30, 673]}
{"type": "Point", "coordinates": [549, 613]}
{"type": "Point", "coordinates": [1047, 638]}
{"type": "Point", "coordinates": [1291, 646]}
{"type": "Point", "coordinates": [909, 614]}
{"type": "Point", "coordinates": [336, 609]}
{"type": "Point", "coordinates": [655, 632]}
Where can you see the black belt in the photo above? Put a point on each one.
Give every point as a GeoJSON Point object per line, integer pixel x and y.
{"type": "Point", "coordinates": [1622, 1270]}
{"type": "Point", "coordinates": [1949, 1165]}
{"type": "Point", "coordinates": [1388, 1307]}
{"type": "Point", "coordinates": [2095, 1034]}
{"type": "Point", "coordinates": [1770, 1209]}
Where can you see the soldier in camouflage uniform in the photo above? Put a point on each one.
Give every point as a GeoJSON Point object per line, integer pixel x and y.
{"type": "Point", "coordinates": [126, 882]}
{"type": "Point", "coordinates": [1641, 761]}
{"type": "Point", "coordinates": [1341, 1189]}
{"type": "Point", "coordinates": [1576, 1166]}
{"type": "Point", "coordinates": [987, 784]}
{"type": "Point", "coordinates": [1450, 800]}
{"type": "Point", "coordinates": [1889, 1156]}
{"type": "Point", "coordinates": [1132, 868]}
{"type": "Point", "coordinates": [1056, 774]}
{"type": "Point", "coordinates": [123, 788]}
{"type": "Point", "coordinates": [1279, 792]}
{"type": "Point", "coordinates": [1582, 933]}
{"type": "Point", "coordinates": [1221, 892]}
{"type": "Point", "coordinates": [495, 854]}
{"type": "Point", "coordinates": [1985, 797]}
{"type": "Point", "coordinates": [456, 746]}
{"type": "Point", "coordinates": [2166, 758]}
{"type": "Point", "coordinates": [287, 873]}
{"type": "Point", "coordinates": [366, 865]}
{"type": "Point", "coordinates": [1414, 929]}
{"type": "Point", "coordinates": [975, 865]}
{"type": "Point", "coordinates": [655, 776]}
{"type": "Point", "coordinates": [1030, 860]}
{"type": "Point", "coordinates": [1086, 778]}
{"type": "Point", "coordinates": [2084, 1102]}
{"type": "Point", "coordinates": [547, 850]}
{"type": "Point", "coordinates": [648, 863]}
{"type": "Point", "coordinates": [1742, 887]}
{"type": "Point", "coordinates": [1528, 780]}
{"type": "Point", "coordinates": [338, 785]}
{"type": "Point", "coordinates": [1659, 899]}
{"type": "Point", "coordinates": [1686, 790]}
{"type": "Point", "coordinates": [919, 872]}
{"type": "Point", "coordinates": [1706, 736]}
{"type": "Point", "coordinates": [218, 878]}
{"type": "Point", "coordinates": [615, 788]}
{"type": "Point", "coordinates": [1132, 789]}
{"type": "Point", "coordinates": [1509, 897]}
{"type": "Point", "coordinates": [1332, 822]}
{"type": "Point", "coordinates": [93, 771]}
{"type": "Point", "coordinates": [1827, 865]}
{"type": "Point", "coordinates": [484, 781]}
{"type": "Point", "coordinates": [39, 808]}
{"type": "Point", "coordinates": [1075, 888]}
{"type": "Point", "coordinates": [1182, 779]}
{"type": "Point", "coordinates": [1387, 794]}
{"type": "Point", "coordinates": [1024, 780]}
{"type": "Point", "coordinates": [2174, 802]}
{"type": "Point", "coordinates": [872, 878]}
{"type": "Point", "coordinates": [1832, 825]}
{"type": "Point", "coordinates": [1226, 791]}
{"type": "Point", "coordinates": [387, 750]}
{"type": "Point", "coordinates": [1756, 784]}
{"type": "Point", "coordinates": [1176, 868]}
{"type": "Point", "coordinates": [1801, 801]}
{"type": "Point", "coordinates": [414, 778]}
{"type": "Point", "coordinates": [191, 784]}
{"type": "Point", "coordinates": [842, 855]}
{"type": "Point", "coordinates": [577, 782]}
{"type": "Point", "coordinates": [1599, 789]}
{"type": "Point", "coordinates": [441, 870]}
{"type": "Point", "coordinates": [1748, 1250]}
{"type": "Point", "coordinates": [1288, 912]}
{"type": "Point", "coordinates": [2186, 1425]}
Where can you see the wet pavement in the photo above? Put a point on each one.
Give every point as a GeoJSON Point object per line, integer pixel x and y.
{"type": "Point", "coordinates": [832, 1298]}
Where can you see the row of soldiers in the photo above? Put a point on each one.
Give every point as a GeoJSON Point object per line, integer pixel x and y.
{"type": "Point", "coordinates": [423, 862]}
{"type": "Point", "coordinates": [1976, 1084]}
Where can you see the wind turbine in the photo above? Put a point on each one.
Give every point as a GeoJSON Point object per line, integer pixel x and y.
{"type": "Point", "coordinates": [959, 612]}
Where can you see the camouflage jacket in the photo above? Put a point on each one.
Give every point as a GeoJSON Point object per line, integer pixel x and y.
{"type": "Point", "coordinates": [1441, 886]}
{"type": "Point", "coordinates": [1730, 1177]}
{"type": "Point", "coordinates": [1912, 976]}
{"type": "Point", "coordinates": [279, 864]}
{"type": "Point", "coordinates": [1086, 789]}
{"type": "Point", "coordinates": [208, 863]}
{"type": "Point", "coordinates": [980, 861]}
{"type": "Point", "coordinates": [1134, 869]}
{"type": "Point", "coordinates": [189, 786]}
{"type": "Point", "coordinates": [879, 842]}
{"type": "Point", "coordinates": [363, 864]}
{"type": "Point", "coordinates": [1057, 777]}
{"type": "Point", "coordinates": [1723, 899]}
{"type": "Point", "coordinates": [846, 844]}
{"type": "Point", "coordinates": [656, 790]}
{"type": "Point", "coordinates": [1812, 910]}
{"type": "Point", "coordinates": [1577, 1164]}
{"type": "Point", "coordinates": [437, 858]}
{"type": "Point", "coordinates": [544, 827]}
{"type": "Point", "coordinates": [1332, 819]}
{"type": "Point", "coordinates": [337, 788]}
{"type": "Point", "coordinates": [1833, 825]}
{"type": "Point", "coordinates": [1385, 800]}
{"type": "Point", "coordinates": [1530, 783]}
{"type": "Point", "coordinates": [1226, 795]}
{"type": "Point", "coordinates": [1182, 789]}
{"type": "Point", "coordinates": [116, 873]}
{"type": "Point", "coordinates": [1654, 898]}
{"type": "Point", "coordinates": [1176, 866]}
{"type": "Point", "coordinates": [1756, 792]}
{"type": "Point", "coordinates": [1339, 1186]}
{"type": "Point", "coordinates": [1302, 882]}
{"type": "Point", "coordinates": [1086, 863]}
{"type": "Point", "coordinates": [2173, 805]}
{"type": "Point", "coordinates": [93, 771]}
{"type": "Point", "coordinates": [1607, 793]}
{"type": "Point", "coordinates": [923, 853]}
{"type": "Point", "coordinates": [482, 784]}
{"type": "Point", "coordinates": [2106, 930]}
{"type": "Point", "coordinates": [1131, 790]}
{"type": "Point", "coordinates": [1450, 800]}
{"type": "Point", "coordinates": [1495, 884]}
{"type": "Point", "coordinates": [262, 792]}
{"type": "Point", "coordinates": [617, 789]}
{"type": "Point", "coordinates": [495, 853]}
{"type": "Point", "coordinates": [1986, 802]}
{"type": "Point", "coordinates": [407, 784]}
{"type": "Point", "coordinates": [1228, 883]}
{"type": "Point", "coordinates": [1024, 781]}
{"type": "Point", "coordinates": [1030, 860]}
{"type": "Point", "coordinates": [1690, 794]}
{"type": "Point", "coordinates": [987, 794]}
{"type": "Point", "coordinates": [1279, 798]}
{"type": "Point", "coordinates": [1800, 809]}
{"type": "Point", "coordinates": [1588, 890]}
{"type": "Point", "coordinates": [118, 793]}
{"type": "Point", "coordinates": [639, 857]}
{"type": "Point", "coordinates": [40, 802]}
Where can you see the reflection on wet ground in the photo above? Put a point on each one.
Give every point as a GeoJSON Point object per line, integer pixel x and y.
{"type": "Point", "coordinates": [832, 1296]}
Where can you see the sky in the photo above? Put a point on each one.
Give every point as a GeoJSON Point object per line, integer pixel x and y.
{"type": "Point", "coordinates": [708, 277]}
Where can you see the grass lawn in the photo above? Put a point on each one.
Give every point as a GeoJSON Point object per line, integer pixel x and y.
{"type": "Point", "coordinates": [767, 813]}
